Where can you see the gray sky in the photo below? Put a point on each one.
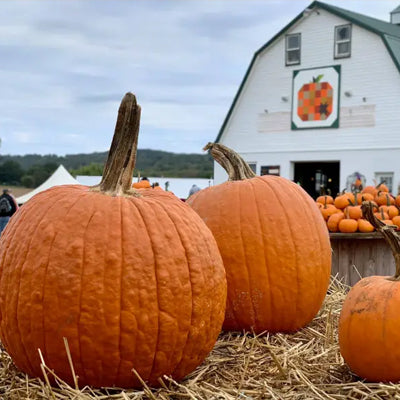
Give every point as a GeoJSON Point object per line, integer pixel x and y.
{"type": "Point", "coordinates": [66, 64]}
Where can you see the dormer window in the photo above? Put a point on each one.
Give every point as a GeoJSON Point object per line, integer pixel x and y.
{"type": "Point", "coordinates": [293, 46]}
{"type": "Point", "coordinates": [342, 41]}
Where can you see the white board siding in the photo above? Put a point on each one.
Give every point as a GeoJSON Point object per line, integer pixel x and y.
{"type": "Point", "coordinates": [350, 117]}
{"type": "Point", "coordinates": [369, 73]}
{"type": "Point", "coordinates": [368, 122]}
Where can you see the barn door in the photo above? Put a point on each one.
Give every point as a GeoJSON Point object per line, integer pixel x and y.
{"type": "Point", "coordinates": [318, 178]}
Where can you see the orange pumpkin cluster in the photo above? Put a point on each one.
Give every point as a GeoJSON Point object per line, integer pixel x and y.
{"type": "Point", "coordinates": [343, 213]}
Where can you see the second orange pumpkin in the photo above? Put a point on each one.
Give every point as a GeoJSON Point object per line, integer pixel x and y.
{"type": "Point", "coordinates": [274, 244]}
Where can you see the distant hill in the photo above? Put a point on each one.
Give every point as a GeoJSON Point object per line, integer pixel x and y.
{"type": "Point", "coordinates": [148, 163]}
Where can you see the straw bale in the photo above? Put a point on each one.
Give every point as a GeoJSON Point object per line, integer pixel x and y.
{"type": "Point", "coordinates": [242, 366]}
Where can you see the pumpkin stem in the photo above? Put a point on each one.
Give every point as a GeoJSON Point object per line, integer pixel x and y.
{"type": "Point", "coordinates": [388, 232]}
{"type": "Point", "coordinates": [118, 169]}
{"type": "Point", "coordinates": [230, 161]}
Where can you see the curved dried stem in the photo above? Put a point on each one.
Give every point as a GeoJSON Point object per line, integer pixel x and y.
{"type": "Point", "coordinates": [230, 161]}
{"type": "Point", "coordinates": [388, 232]}
{"type": "Point", "coordinates": [118, 170]}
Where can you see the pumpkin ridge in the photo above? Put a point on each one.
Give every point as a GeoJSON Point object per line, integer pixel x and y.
{"type": "Point", "coordinates": [265, 256]}
{"type": "Point", "coordinates": [212, 315]}
{"type": "Point", "coordinates": [274, 190]}
{"type": "Point", "coordinates": [253, 322]}
{"type": "Point", "coordinates": [138, 207]}
{"type": "Point", "coordinates": [23, 345]}
{"type": "Point", "coordinates": [13, 229]}
{"type": "Point", "coordinates": [207, 328]}
{"type": "Point", "coordinates": [120, 200]}
{"type": "Point", "coordinates": [228, 296]}
{"type": "Point", "coordinates": [166, 210]}
{"type": "Point", "coordinates": [184, 242]}
{"type": "Point", "coordinates": [135, 205]}
{"type": "Point", "coordinates": [311, 233]}
{"type": "Point", "coordinates": [18, 291]}
{"type": "Point", "coordinates": [48, 259]}
{"type": "Point", "coordinates": [389, 294]}
{"type": "Point", "coordinates": [80, 301]}
{"type": "Point", "coordinates": [214, 270]}
{"type": "Point", "coordinates": [313, 217]}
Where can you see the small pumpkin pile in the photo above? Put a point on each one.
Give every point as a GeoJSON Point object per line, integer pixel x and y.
{"type": "Point", "coordinates": [344, 214]}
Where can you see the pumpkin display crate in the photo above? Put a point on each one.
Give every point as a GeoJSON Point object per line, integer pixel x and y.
{"type": "Point", "coordinates": [356, 255]}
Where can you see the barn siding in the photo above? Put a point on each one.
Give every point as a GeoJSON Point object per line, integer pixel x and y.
{"type": "Point", "coordinates": [368, 120]}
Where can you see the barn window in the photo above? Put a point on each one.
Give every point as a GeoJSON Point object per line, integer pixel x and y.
{"type": "Point", "coordinates": [342, 41]}
{"type": "Point", "coordinates": [270, 170]}
{"type": "Point", "coordinates": [253, 166]}
{"type": "Point", "coordinates": [293, 47]}
{"type": "Point", "coordinates": [386, 178]}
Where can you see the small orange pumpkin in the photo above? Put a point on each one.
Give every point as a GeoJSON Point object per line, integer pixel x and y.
{"type": "Point", "coordinates": [325, 199]}
{"type": "Point", "coordinates": [333, 222]}
{"type": "Point", "coordinates": [348, 225]}
{"type": "Point", "coordinates": [365, 197]}
{"type": "Point", "coordinates": [274, 243]}
{"type": "Point", "coordinates": [342, 200]}
{"type": "Point", "coordinates": [142, 184]}
{"type": "Point", "coordinates": [132, 279]}
{"type": "Point", "coordinates": [396, 221]}
{"type": "Point", "coordinates": [365, 226]}
{"type": "Point", "coordinates": [369, 324]}
{"type": "Point", "coordinates": [327, 210]}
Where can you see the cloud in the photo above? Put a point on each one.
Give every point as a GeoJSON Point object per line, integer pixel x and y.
{"type": "Point", "coordinates": [65, 66]}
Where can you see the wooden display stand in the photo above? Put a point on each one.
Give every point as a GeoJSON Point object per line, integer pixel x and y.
{"type": "Point", "coordinates": [357, 255]}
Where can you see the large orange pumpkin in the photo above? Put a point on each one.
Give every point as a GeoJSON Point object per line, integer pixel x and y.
{"type": "Point", "coordinates": [369, 324]}
{"type": "Point", "coordinates": [132, 280]}
{"type": "Point", "coordinates": [274, 243]}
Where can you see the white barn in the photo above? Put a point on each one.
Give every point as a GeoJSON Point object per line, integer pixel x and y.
{"type": "Point", "coordinates": [320, 101]}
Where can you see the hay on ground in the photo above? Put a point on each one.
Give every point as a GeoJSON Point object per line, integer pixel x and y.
{"type": "Point", "coordinates": [304, 365]}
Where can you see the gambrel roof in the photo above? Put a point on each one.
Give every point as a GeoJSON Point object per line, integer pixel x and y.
{"type": "Point", "coordinates": [390, 34]}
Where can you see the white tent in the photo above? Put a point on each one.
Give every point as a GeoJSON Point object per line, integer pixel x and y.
{"type": "Point", "coordinates": [60, 177]}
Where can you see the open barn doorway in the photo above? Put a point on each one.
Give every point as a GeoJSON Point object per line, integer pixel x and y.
{"type": "Point", "coordinates": [318, 178]}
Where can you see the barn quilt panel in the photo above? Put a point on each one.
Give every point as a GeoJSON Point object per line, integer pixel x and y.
{"type": "Point", "coordinates": [315, 98]}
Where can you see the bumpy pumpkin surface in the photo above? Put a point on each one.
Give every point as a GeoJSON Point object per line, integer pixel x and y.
{"type": "Point", "coordinates": [131, 280]}
{"type": "Point", "coordinates": [275, 246]}
{"type": "Point", "coordinates": [369, 324]}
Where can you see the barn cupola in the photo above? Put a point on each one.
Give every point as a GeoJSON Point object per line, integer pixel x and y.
{"type": "Point", "coordinates": [395, 16]}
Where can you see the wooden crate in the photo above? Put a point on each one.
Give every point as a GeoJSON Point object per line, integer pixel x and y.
{"type": "Point", "coordinates": [356, 255]}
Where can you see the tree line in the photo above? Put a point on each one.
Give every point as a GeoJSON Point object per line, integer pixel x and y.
{"type": "Point", "coordinates": [31, 170]}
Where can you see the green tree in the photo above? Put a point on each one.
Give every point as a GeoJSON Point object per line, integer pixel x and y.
{"type": "Point", "coordinates": [10, 173]}
{"type": "Point", "coordinates": [39, 173]}
{"type": "Point", "coordinates": [28, 181]}
{"type": "Point", "coordinates": [93, 169]}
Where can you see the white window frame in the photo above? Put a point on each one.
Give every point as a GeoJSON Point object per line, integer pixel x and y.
{"type": "Point", "coordinates": [252, 165]}
{"type": "Point", "coordinates": [341, 41]}
{"type": "Point", "coordinates": [387, 177]}
{"type": "Point", "coordinates": [288, 49]}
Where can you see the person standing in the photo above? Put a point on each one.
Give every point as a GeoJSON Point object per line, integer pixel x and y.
{"type": "Point", "coordinates": [193, 189]}
{"type": "Point", "coordinates": [8, 206]}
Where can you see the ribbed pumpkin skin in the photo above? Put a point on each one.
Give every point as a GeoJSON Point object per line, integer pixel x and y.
{"type": "Point", "coordinates": [130, 282]}
{"type": "Point", "coordinates": [369, 329]}
{"type": "Point", "coordinates": [276, 251]}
